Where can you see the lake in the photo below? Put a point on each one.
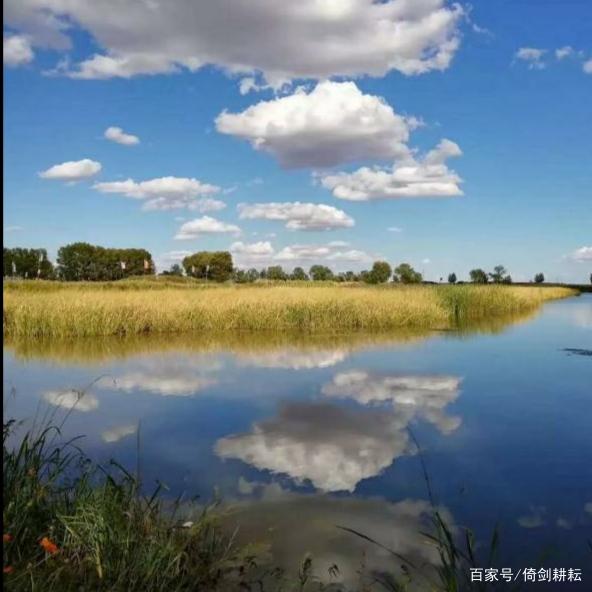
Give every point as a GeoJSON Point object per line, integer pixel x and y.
{"type": "Point", "coordinates": [301, 435]}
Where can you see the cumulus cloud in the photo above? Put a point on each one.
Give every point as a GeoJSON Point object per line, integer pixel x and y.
{"type": "Point", "coordinates": [295, 358]}
{"type": "Point", "coordinates": [74, 170]}
{"type": "Point", "coordinates": [298, 215]}
{"type": "Point", "coordinates": [205, 225]}
{"type": "Point", "coordinates": [336, 447]}
{"type": "Point", "coordinates": [532, 56]}
{"type": "Point", "coordinates": [333, 124]}
{"type": "Point", "coordinates": [332, 447]}
{"type": "Point", "coordinates": [280, 40]}
{"type": "Point", "coordinates": [320, 253]}
{"type": "Point", "coordinates": [167, 376]}
{"type": "Point", "coordinates": [564, 52]}
{"type": "Point", "coordinates": [587, 66]}
{"type": "Point", "coordinates": [410, 178]}
{"type": "Point", "coordinates": [72, 399]}
{"type": "Point", "coordinates": [263, 253]}
{"type": "Point", "coordinates": [119, 432]}
{"type": "Point", "coordinates": [410, 395]}
{"type": "Point", "coordinates": [17, 50]}
{"type": "Point", "coordinates": [116, 134]}
{"type": "Point", "coordinates": [246, 254]}
{"type": "Point", "coordinates": [582, 254]}
{"type": "Point", "coordinates": [167, 193]}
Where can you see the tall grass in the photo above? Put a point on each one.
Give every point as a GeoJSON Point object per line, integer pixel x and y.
{"type": "Point", "coordinates": [83, 310]}
{"type": "Point", "coordinates": [71, 525]}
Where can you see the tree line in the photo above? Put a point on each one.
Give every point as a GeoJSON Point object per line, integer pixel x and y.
{"type": "Point", "coordinates": [78, 262]}
{"type": "Point", "coordinates": [85, 262]}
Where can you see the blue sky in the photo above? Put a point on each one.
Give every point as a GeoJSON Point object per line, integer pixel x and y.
{"type": "Point", "coordinates": [353, 124]}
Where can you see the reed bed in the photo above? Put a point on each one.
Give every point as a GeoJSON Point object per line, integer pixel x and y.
{"type": "Point", "coordinates": [86, 311]}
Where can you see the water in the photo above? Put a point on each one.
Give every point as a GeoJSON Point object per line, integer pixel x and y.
{"type": "Point", "coordinates": [300, 435]}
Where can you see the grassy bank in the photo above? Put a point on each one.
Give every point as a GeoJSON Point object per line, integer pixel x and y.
{"type": "Point", "coordinates": [85, 310]}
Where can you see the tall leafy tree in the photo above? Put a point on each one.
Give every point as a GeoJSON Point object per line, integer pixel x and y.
{"type": "Point", "coordinates": [211, 265]}
{"type": "Point", "coordinates": [320, 273]}
{"type": "Point", "coordinates": [299, 274]}
{"type": "Point", "coordinates": [478, 276]}
{"type": "Point", "coordinates": [405, 274]}
{"type": "Point", "coordinates": [380, 273]}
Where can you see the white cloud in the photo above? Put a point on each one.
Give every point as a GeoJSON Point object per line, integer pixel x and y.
{"type": "Point", "coordinates": [332, 447]}
{"type": "Point", "coordinates": [411, 178]}
{"type": "Point", "coordinates": [248, 254]}
{"type": "Point", "coordinates": [532, 56]}
{"type": "Point", "coordinates": [12, 228]}
{"type": "Point", "coordinates": [116, 134]}
{"type": "Point", "coordinates": [74, 170]}
{"type": "Point", "coordinates": [336, 447]}
{"type": "Point", "coordinates": [295, 358]}
{"type": "Point", "coordinates": [117, 433]}
{"type": "Point", "coordinates": [263, 253]}
{"type": "Point", "coordinates": [166, 382]}
{"type": "Point", "coordinates": [582, 254]}
{"type": "Point", "coordinates": [410, 395]}
{"type": "Point", "coordinates": [394, 229]}
{"type": "Point", "coordinates": [17, 50]}
{"type": "Point", "coordinates": [297, 215]}
{"type": "Point", "coordinates": [319, 254]}
{"type": "Point", "coordinates": [588, 507]}
{"type": "Point", "coordinates": [205, 225]}
{"type": "Point", "coordinates": [564, 52]}
{"type": "Point", "coordinates": [167, 193]}
{"type": "Point", "coordinates": [281, 40]}
{"type": "Point", "coordinates": [587, 66]}
{"type": "Point", "coordinates": [332, 124]}
{"type": "Point", "coordinates": [72, 399]}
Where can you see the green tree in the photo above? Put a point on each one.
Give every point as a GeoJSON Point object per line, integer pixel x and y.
{"type": "Point", "coordinates": [539, 278]}
{"type": "Point", "coordinates": [452, 278]}
{"type": "Point", "coordinates": [299, 274]}
{"type": "Point", "coordinates": [209, 265]}
{"type": "Point", "coordinates": [276, 273]}
{"type": "Point", "coordinates": [478, 276]}
{"type": "Point", "coordinates": [405, 274]}
{"type": "Point", "coordinates": [27, 263]}
{"type": "Point", "coordinates": [500, 275]}
{"type": "Point", "coordinates": [82, 261]}
{"type": "Point", "coordinates": [380, 273]}
{"type": "Point", "coordinates": [252, 275]}
{"type": "Point", "coordinates": [320, 273]}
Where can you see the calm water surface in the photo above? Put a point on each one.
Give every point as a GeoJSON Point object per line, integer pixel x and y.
{"type": "Point", "coordinates": [301, 435]}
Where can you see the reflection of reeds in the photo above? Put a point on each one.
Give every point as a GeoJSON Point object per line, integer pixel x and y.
{"type": "Point", "coordinates": [84, 310]}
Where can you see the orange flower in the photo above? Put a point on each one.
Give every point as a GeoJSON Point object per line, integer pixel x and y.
{"type": "Point", "coordinates": [6, 538]}
{"type": "Point", "coordinates": [8, 569]}
{"type": "Point", "coordinates": [48, 545]}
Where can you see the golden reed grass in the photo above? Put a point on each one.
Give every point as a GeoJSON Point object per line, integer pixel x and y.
{"type": "Point", "coordinates": [88, 310]}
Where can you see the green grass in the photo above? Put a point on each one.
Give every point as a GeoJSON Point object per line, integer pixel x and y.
{"type": "Point", "coordinates": [58, 310]}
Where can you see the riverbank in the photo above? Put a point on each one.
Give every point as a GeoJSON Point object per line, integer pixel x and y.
{"type": "Point", "coordinates": [52, 310]}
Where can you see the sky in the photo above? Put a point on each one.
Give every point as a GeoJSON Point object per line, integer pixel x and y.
{"type": "Point", "coordinates": [447, 135]}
